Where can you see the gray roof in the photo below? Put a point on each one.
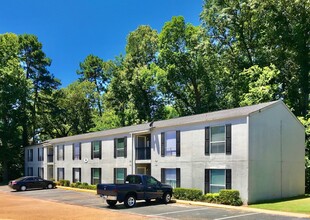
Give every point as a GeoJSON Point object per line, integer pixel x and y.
{"type": "Point", "coordinates": [205, 117]}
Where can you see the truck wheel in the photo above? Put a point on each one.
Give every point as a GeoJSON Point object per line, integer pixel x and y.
{"type": "Point", "coordinates": [111, 202]}
{"type": "Point", "coordinates": [130, 201]}
{"type": "Point", "coordinates": [166, 198]}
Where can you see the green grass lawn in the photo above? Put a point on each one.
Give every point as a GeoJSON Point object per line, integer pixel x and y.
{"type": "Point", "coordinates": [298, 205]}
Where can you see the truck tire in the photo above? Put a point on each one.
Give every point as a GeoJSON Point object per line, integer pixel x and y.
{"type": "Point", "coordinates": [130, 201]}
{"type": "Point", "coordinates": [111, 202]}
{"type": "Point", "coordinates": [166, 198]}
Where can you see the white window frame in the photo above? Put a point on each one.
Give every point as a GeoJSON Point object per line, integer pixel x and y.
{"type": "Point", "coordinates": [171, 143]}
{"type": "Point", "coordinates": [217, 142]}
{"type": "Point", "coordinates": [217, 185]}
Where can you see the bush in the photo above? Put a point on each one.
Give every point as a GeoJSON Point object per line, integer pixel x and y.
{"type": "Point", "coordinates": [230, 197]}
{"type": "Point", "coordinates": [73, 185]}
{"type": "Point", "coordinates": [61, 182]}
{"type": "Point", "coordinates": [66, 183]}
{"type": "Point", "coordinates": [308, 180]}
{"type": "Point", "coordinates": [211, 197]}
{"type": "Point", "coordinates": [188, 194]}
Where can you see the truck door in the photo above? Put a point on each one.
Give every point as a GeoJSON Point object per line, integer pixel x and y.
{"type": "Point", "coordinates": [152, 190]}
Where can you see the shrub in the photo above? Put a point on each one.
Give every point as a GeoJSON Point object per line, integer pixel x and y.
{"type": "Point", "coordinates": [230, 197]}
{"type": "Point", "coordinates": [66, 183]}
{"type": "Point", "coordinates": [187, 194]}
{"type": "Point", "coordinates": [73, 185]}
{"type": "Point", "coordinates": [211, 197]}
{"type": "Point", "coordinates": [61, 182]}
{"type": "Point", "coordinates": [308, 180]}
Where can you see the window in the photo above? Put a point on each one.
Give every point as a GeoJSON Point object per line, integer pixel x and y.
{"type": "Point", "coordinates": [40, 154]}
{"type": "Point", "coordinates": [171, 177]}
{"type": "Point", "coordinates": [60, 152]}
{"type": "Point", "coordinates": [60, 174]}
{"type": "Point", "coordinates": [217, 179]}
{"type": "Point", "coordinates": [218, 139]}
{"type": "Point", "coordinates": [120, 147]}
{"type": "Point", "coordinates": [41, 172]}
{"type": "Point", "coordinates": [76, 151]}
{"type": "Point", "coordinates": [120, 175]}
{"type": "Point", "coordinates": [96, 149]}
{"type": "Point", "coordinates": [30, 155]}
{"type": "Point", "coordinates": [30, 171]}
{"type": "Point", "coordinates": [170, 143]}
{"type": "Point", "coordinates": [95, 176]}
{"type": "Point", "coordinates": [76, 174]}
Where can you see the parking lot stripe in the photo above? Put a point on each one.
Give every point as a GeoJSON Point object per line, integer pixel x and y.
{"type": "Point", "coordinates": [237, 216]}
{"type": "Point", "coordinates": [167, 213]}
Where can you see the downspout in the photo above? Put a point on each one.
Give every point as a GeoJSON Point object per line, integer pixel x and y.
{"type": "Point", "coordinates": [248, 143]}
{"type": "Point", "coordinates": [132, 151]}
{"type": "Point", "coordinates": [281, 159]}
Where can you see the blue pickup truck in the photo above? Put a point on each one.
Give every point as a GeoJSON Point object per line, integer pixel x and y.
{"type": "Point", "coordinates": [136, 187]}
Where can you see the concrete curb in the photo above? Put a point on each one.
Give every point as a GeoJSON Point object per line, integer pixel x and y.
{"type": "Point", "coordinates": [185, 202]}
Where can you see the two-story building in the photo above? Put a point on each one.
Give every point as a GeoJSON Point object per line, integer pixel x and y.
{"type": "Point", "coordinates": [258, 150]}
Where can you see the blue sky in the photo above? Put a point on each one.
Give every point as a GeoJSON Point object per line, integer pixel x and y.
{"type": "Point", "coordinates": [72, 29]}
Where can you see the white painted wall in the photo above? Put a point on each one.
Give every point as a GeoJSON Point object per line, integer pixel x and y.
{"type": "Point", "coordinates": [193, 161]}
{"type": "Point", "coordinates": [276, 157]}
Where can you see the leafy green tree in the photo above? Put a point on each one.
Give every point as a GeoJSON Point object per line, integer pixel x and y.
{"type": "Point", "coordinates": [263, 85]}
{"type": "Point", "coordinates": [95, 70]}
{"type": "Point", "coordinates": [35, 63]}
{"type": "Point", "coordinates": [13, 89]}
{"type": "Point", "coordinates": [108, 120]}
{"type": "Point", "coordinates": [187, 76]}
{"type": "Point", "coordinates": [71, 112]}
{"type": "Point", "coordinates": [252, 32]}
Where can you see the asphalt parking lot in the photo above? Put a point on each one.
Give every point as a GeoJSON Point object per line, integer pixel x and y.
{"type": "Point", "coordinates": [154, 210]}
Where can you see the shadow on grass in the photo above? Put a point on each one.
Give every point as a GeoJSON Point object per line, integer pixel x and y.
{"type": "Point", "coordinates": [283, 200]}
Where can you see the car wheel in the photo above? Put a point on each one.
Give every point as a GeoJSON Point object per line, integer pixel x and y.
{"type": "Point", "coordinates": [50, 186]}
{"type": "Point", "coordinates": [166, 198]}
{"type": "Point", "coordinates": [130, 201]}
{"type": "Point", "coordinates": [111, 202]}
{"type": "Point", "coordinates": [23, 188]}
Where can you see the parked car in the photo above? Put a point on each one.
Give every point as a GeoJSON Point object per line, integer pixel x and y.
{"type": "Point", "coordinates": [31, 182]}
{"type": "Point", "coordinates": [136, 187]}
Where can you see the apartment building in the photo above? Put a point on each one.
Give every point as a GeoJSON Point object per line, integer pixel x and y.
{"type": "Point", "coordinates": [258, 150]}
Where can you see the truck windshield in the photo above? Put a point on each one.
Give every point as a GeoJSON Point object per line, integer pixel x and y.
{"type": "Point", "coordinates": [133, 179]}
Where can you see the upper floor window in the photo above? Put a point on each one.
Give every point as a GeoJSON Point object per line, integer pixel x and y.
{"type": "Point", "coordinates": [96, 149]}
{"type": "Point", "coordinates": [76, 153]}
{"type": "Point", "coordinates": [30, 155]}
{"type": "Point", "coordinates": [60, 152]}
{"type": "Point", "coordinates": [170, 143]}
{"type": "Point", "coordinates": [120, 147]}
{"type": "Point", "coordinates": [40, 154]}
{"type": "Point", "coordinates": [218, 139]}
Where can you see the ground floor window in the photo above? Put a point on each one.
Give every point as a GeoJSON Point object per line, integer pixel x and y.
{"type": "Point", "coordinates": [120, 175]}
{"type": "Point", "coordinates": [171, 176]}
{"type": "Point", "coordinates": [41, 172]}
{"type": "Point", "coordinates": [95, 176]}
{"type": "Point", "coordinates": [30, 171]}
{"type": "Point", "coordinates": [60, 174]}
{"type": "Point", "coordinates": [217, 179]}
{"type": "Point", "coordinates": [76, 174]}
